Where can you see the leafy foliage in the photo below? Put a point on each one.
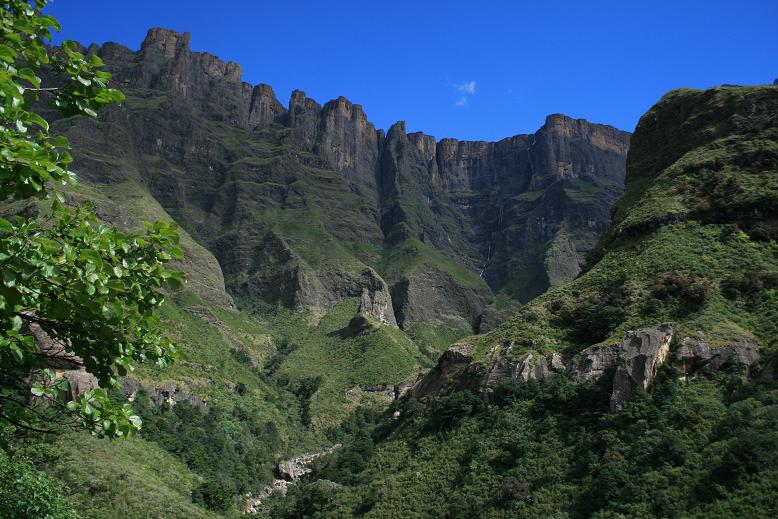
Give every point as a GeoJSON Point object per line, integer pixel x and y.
{"type": "Point", "coordinates": [25, 492]}
{"type": "Point", "coordinates": [233, 449]}
{"type": "Point", "coordinates": [91, 288]}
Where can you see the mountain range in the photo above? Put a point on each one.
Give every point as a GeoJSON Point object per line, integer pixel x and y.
{"type": "Point", "coordinates": [488, 328]}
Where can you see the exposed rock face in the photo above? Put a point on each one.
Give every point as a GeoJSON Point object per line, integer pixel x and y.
{"type": "Point", "coordinates": [401, 389]}
{"type": "Point", "coordinates": [288, 473]}
{"type": "Point", "coordinates": [168, 394]}
{"type": "Point", "coordinates": [57, 356]}
{"type": "Point", "coordinates": [529, 366]}
{"type": "Point", "coordinates": [376, 301]}
{"type": "Point", "coordinates": [79, 382]}
{"type": "Point", "coordinates": [592, 363]}
{"type": "Point", "coordinates": [519, 214]}
{"type": "Point", "coordinates": [641, 355]}
{"type": "Point", "coordinates": [523, 212]}
{"type": "Point", "coordinates": [685, 151]}
{"type": "Point", "coordinates": [637, 360]}
{"type": "Point", "coordinates": [696, 358]}
{"type": "Point", "coordinates": [297, 467]}
{"type": "Point", "coordinates": [454, 370]}
{"type": "Point", "coordinates": [166, 63]}
{"type": "Point", "coordinates": [430, 296]}
{"type": "Point", "coordinates": [635, 363]}
{"type": "Point", "coordinates": [65, 364]}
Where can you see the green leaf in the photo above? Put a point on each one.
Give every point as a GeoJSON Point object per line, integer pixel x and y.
{"type": "Point", "coordinates": [9, 277]}
{"type": "Point", "coordinates": [29, 75]}
{"type": "Point", "coordinates": [38, 120]}
{"type": "Point", "coordinates": [59, 141]}
{"type": "Point", "coordinates": [136, 421]}
{"type": "Point", "coordinates": [92, 257]}
{"type": "Point", "coordinates": [37, 389]}
{"type": "Point", "coordinates": [6, 54]}
{"type": "Point", "coordinates": [16, 323]}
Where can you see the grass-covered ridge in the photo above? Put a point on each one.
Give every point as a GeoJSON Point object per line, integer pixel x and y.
{"type": "Point", "coordinates": [332, 366]}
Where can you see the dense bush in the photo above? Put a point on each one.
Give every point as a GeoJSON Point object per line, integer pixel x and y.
{"type": "Point", "coordinates": [745, 284]}
{"type": "Point", "coordinates": [685, 286]}
{"type": "Point", "coordinates": [214, 495]}
{"type": "Point", "coordinates": [552, 449]}
{"type": "Point", "coordinates": [233, 449]}
{"type": "Point", "coordinates": [26, 493]}
{"type": "Point", "coordinates": [592, 321]}
{"type": "Point", "coordinates": [451, 409]}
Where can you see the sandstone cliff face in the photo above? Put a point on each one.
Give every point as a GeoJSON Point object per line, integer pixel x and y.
{"type": "Point", "coordinates": [499, 206]}
{"type": "Point", "coordinates": [428, 295]}
{"type": "Point", "coordinates": [245, 176]}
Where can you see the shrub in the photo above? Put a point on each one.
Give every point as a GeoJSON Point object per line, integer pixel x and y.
{"type": "Point", "coordinates": [452, 409]}
{"type": "Point", "coordinates": [214, 495]}
{"type": "Point", "coordinates": [684, 286]}
{"type": "Point", "coordinates": [25, 492]}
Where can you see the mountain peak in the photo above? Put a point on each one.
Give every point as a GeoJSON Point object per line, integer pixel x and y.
{"type": "Point", "coordinates": [166, 40]}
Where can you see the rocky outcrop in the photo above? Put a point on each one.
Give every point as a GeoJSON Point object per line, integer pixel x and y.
{"type": "Point", "coordinates": [592, 363]}
{"type": "Point", "coordinates": [531, 206]}
{"type": "Point", "coordinates": [636, 361]}
{"type": "Point", "coordinates": [168, 394]}
{"type": "Point", "coordinates": [428, 295]}
{"type": "Point", "coordinates": [64, 363]}
{"type": "Point", "coordinates": [402, 389]}
{"type": "Point", "coordinates": [375, 300]}
{"type": "Point", "coordinates": [566, 148]}
{"type": "Point", "coordinates": [288, 473]}
{"type": "Point", "coordinates": [79, 382]}
{"type": "Point", "coordinates": [696, 358]}
{"type": "Point", "coordinates": [455, 370]}
{"type": "Point", "coordinates": [529, 366]}
{"type": "Point", "coordinates": [640, 356]}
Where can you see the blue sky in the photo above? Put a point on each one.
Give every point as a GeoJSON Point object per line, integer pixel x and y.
{"type": "Point", "coordinates": [471, 70]}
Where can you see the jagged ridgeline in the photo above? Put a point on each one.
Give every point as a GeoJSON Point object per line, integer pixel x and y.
{"type": "Point", "coordinates": [328, 263]}
{"type": "Point", "coordinates": [562, 411]}
{"type": "Point", "coordinates": [309, 205]}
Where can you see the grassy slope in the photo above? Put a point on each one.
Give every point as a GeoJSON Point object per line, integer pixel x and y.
{"type": "Point", "coordinates": [344, 362]}
{"type": "Point", "coordinates": [130, 479]}
{"type": "Point", "coordinates": [224, 348]}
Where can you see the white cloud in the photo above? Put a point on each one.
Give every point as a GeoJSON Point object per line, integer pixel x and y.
{"type": "Point", "coordinates": [468, 87]}
{"type": "Point", "coordinates": [465, 89]}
